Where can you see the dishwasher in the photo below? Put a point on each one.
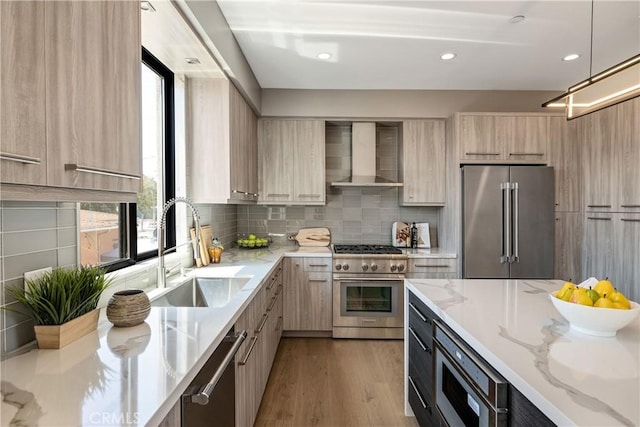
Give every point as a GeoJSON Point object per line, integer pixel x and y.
{"type": "Point", "coordinates": [211, 394]}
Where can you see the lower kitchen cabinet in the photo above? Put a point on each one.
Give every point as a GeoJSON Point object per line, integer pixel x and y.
{"type": "Point", "coordinates": [308, 293]}
{"type": "Point", "coordinates": [420, 379]}
{"type": "Point", "coordinates": [262, 319]}
{"type": "Point", "coordinates": [431, 268]}
{"type": "Point", "coordinates": [523, 413]}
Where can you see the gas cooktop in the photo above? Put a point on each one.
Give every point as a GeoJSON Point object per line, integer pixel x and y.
{"type": "Point", "coordinates": [366, 250]}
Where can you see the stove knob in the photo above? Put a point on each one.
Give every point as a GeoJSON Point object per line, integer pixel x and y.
{"type": "Point", "coordinates": [345, 267]}
{"type": "Point", "coordinates": [338, 267]}
{"type": "Point", "coordinates": [365, 267]}
{"type": "Point", "coordinates": [374, 267]}
{"type": "Point", "coordinates": [400, 267]}
{"type": "Point", "coordinates": [394, 267]}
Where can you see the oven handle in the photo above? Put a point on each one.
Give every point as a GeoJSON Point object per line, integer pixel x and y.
{"type": "Point", "coordinates": [371, 279]}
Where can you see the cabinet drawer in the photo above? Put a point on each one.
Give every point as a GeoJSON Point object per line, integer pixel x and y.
{"type": "Point", "coordinates": [424, 411]}
{"type": "Point", "coordinates": [421, 310]}
{"type": "Point", "coordinates": [319, 278]}
{"type": "Point", "coordinates": [421, 363]}
{"type": "Point", "coordinates": [317, 264]}
{"type": "Point", "coordinates": [432, 265]}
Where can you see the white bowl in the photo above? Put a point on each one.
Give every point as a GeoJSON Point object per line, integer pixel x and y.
{"type": "Point", "coordinates": [601, 322]}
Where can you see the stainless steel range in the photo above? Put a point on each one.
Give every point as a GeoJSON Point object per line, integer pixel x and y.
{"type": "Point", "coordinates": [368, 291]}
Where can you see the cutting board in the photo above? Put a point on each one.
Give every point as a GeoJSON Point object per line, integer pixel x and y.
{"type": "Point", "coordinates": [205, 237]}
{"type": "Point", "coordinates": [320, 236]}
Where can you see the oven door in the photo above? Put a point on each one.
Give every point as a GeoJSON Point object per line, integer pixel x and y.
{"type": "Point", "coordinates": [458, 403]}
{"type": "Point", "coordinates": [368, 302]}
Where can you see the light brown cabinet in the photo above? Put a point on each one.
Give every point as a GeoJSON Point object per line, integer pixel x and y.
{"type": "Point", "coordinates": [494, 137]}
{"type": "Point", "coordinates": [565, 155]}
{"type": "Point", "coordinates": [262, 319]}
{"type": "Point", "coordinates": [422, 167]}
{"type": "Point", "coordinates": [93, 90]}
{"type": "Point", "coordinates": [222, 143]}
{"type": "Point", "coordinates": [431, 268]}
{"type": "Point", "coordinates": [611, 141]}
{"type": "Point", "coordinates": [568, 246]}
{"type": "Point", "coordinates": [292, 160]}
{"type": "Point", "coordinates": [23, 153]}
{"type": "Point", "coordinates": [598, 246]}
{"type": "Point", "coordinates": [627, 253]}
{"type": "Point", "coordinates": [308, 294]}
{"type": "Point", "coordinates": [81, 117]}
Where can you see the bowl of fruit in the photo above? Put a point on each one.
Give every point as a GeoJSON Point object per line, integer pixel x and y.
{"type": "Point", "coordinates": [251, 241]}
{"type": "Point", "coordinates": [594, 307]}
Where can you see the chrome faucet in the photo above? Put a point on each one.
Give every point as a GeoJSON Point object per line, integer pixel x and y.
{"type": "Point", "coordinates": [162, 278]}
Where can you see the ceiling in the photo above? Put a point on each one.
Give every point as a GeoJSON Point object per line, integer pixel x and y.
{"type": "Point", "coordinates": [391, 44]}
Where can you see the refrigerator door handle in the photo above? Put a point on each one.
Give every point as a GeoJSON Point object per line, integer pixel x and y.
{"type": "Point", "coordinates": [516, 222]}
{"type": "Point", "coordinates": [504, 256]}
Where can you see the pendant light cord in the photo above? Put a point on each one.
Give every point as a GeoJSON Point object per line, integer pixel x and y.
{"type": "Point", "coordinates": [591, 47]}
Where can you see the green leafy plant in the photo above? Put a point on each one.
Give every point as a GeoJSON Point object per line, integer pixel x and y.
{"type": "Point", "coordinates": [63, 294]}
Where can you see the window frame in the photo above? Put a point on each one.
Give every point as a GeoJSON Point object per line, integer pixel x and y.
{"type": "Point", "coordinates": [129, 211]}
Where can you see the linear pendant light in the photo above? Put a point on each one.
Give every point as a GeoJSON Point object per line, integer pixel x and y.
{"type": "Point", "coordinates": [611, 86]}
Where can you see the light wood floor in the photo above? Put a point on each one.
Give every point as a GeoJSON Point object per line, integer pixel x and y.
{"type": "Point", "coordinates": [335, 383]}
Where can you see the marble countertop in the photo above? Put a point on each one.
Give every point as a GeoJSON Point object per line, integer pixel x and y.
{"type": "Point", "coordinates": [132, 376]}
{"type": "Point", "coordinates": [574, 379]}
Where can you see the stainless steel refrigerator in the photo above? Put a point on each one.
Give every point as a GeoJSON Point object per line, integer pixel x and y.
{"type": "Point", "coordinates": [508, 222]}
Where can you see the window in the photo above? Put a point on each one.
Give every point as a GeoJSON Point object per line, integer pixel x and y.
{"type": "Point", "coordinates": [120, 234]}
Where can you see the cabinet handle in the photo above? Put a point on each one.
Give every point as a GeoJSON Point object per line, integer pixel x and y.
{"type": "Point", "coordinates": [279, 324]}
{"type": "Point", "coordinates": [420, 315]}
{"type": "Point", "coordinates": [420, 343]}
{"type": "Point", "coordinates": [264, 321]}
{"type": "Point", "coordinates": [97, 171]}
{"type": "Point", "coordinates": [629, 219]}
{"type": "Point", "coordinates": [273, 304]}
{"type": "Point", "coordinates": [431, 265]}
{"type": "Point", "coordinates": [598, 206]}
{"type": "Point", "coordinates": [630, 206]}
{"type": "Point", "coordinates": [318, 280]}
{"type": "Point", "coordinates": [527, 154]}
{"type": "Point", "coordinates": [273, 282]}
{"type": "Point", "coordinates": [202, 398]}
{"type": "Point", "coordinates": [481, 154]}
{"type": "Point", "coordinates": [595, 218]}
{"type": "Point", "coordinates": [318, 265]}
{"type": "Point", "coordinates": [415, 389]}
{"type": "Point", "coordinates": [254, 340]}
{"type": "Point", "coordinates": [278, 195]}
{"type": "Point", "coordinates": [311, 196]}
{"type": "Point", "coordinates": [20, 158]}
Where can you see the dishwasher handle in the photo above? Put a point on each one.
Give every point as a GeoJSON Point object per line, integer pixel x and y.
{"type": "Point", "coordinates": [202, 397]}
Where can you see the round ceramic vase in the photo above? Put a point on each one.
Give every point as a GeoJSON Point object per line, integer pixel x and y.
{"type": "Point", "coordinates": [128, 308]}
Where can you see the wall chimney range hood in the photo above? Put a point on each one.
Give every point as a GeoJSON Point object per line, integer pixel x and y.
{"type": "Point", "coordinates": [363, 159]}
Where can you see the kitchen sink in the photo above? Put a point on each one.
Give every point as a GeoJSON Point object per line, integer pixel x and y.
{"type": "Point", "coordinates": [202, 292]}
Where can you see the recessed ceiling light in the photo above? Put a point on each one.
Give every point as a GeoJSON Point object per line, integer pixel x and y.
{"type": "Point", "coordinates": [571, 57]}
{"type": "Point", "coordinates": [146, 6]}
{"type": "Point", "coordinates": [447, 56]}
{"type": "Point", "coordinates": [516, 19]}
{"type": "Point", "coordinates": [324, 55]}
{"type": "Point", "coordinates": [192, 61]}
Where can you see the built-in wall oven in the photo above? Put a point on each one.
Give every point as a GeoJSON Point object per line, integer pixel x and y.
{"type": "Point", "coordinates": [368, 291]}
{"type": "Point", "coordinates": [468, 392]}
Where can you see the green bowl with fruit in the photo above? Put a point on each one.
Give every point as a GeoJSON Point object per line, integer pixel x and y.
{"type": "Point", "coordinates": [251, 241]}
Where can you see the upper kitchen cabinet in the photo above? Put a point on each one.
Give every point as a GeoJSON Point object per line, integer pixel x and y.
{"type": "Point", "coordinates": [611, 140]}
{"type": "Point", "coordinates": [93, 86]}
{"type": "Point", "coordinates": [23, 152]}
{"type": "Point", "coordinates": [565, 155]}
{"type": "Point", "coordinates": [292, 161]}
{"type": "Point", "coordinates": [628, 164]}
{"type": "Point", "coordinates": [73, 125]}
{"type": "Point", "coordinates": [422, 153]}
{"type": "Point", "coordinates": [222, 151]}
{"type": "Point", "coordinates": [494, 137]}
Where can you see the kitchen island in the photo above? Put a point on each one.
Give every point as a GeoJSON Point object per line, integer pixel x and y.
{"type": "Point", "coordinates": [574, 379]}
{"type": "Point", "coordinates": [133, 376]}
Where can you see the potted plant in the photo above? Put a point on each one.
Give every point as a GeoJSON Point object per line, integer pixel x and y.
{"type": "Point", "coordinates": [63, 303]}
